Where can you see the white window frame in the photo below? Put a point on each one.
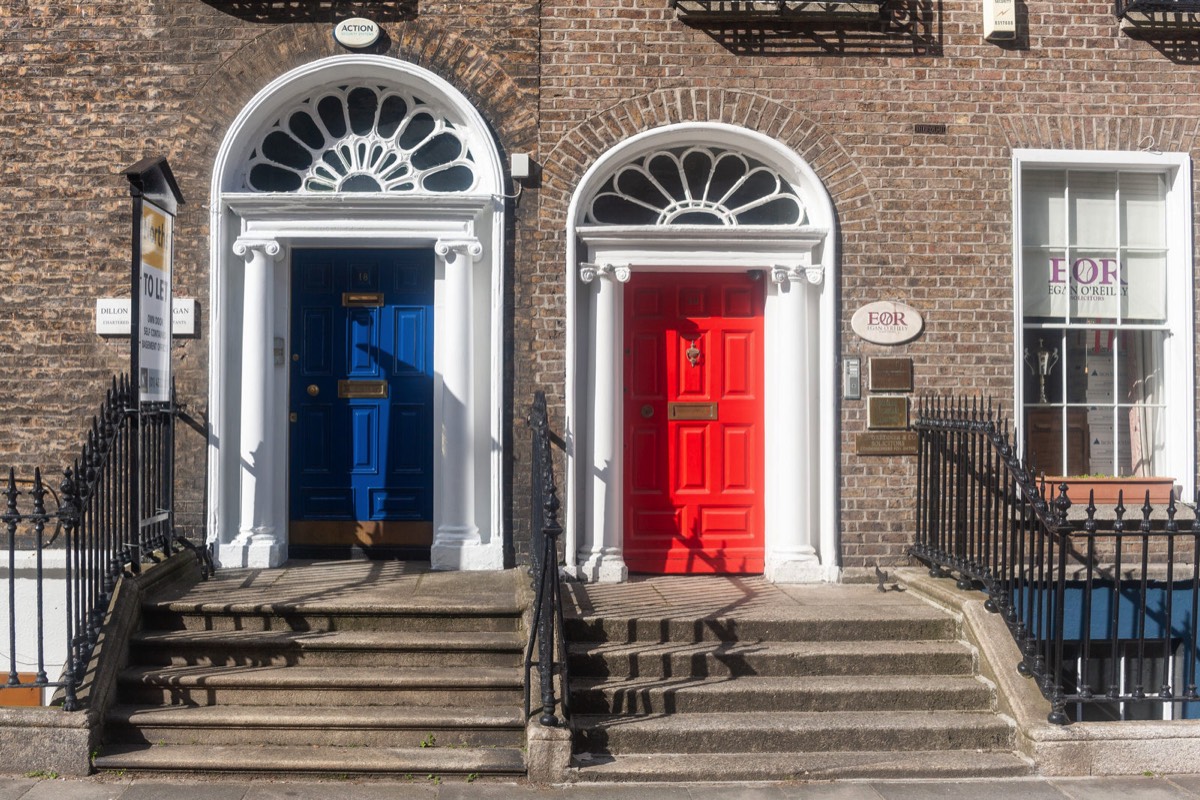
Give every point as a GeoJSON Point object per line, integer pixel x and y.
{"type": "Point", "coordinates": [1179, 457]}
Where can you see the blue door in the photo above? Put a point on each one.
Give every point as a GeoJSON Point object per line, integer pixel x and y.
{"type": "Point", "coordinates": [361, 401]}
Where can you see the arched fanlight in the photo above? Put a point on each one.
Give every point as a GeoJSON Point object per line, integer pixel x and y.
{"type": "Point", "coordinates": [362, 139]}
{"type": "Point", "coordinates": [696, 186]}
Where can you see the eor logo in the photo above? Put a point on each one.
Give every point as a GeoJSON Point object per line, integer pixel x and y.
{"type": "Point", "coordinates": [886, 322]}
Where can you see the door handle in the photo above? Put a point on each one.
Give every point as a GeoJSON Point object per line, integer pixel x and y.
{"type": "Point", "coordinates": [313, 390]}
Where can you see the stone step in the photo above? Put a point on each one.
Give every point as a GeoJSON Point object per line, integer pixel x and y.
{"type": "Point", "coordinates": [250, 616]}
{"type": "Point", "coordinates": [419, 763]}
{"type": "Point", "coordinates": [314, 686]}
{"type": "Point", "coordinates": [684, 695]}
{"type": "Point", "coordinates": [771, 659]}
{"type": "Point", "coordinates": [346, 648]}
{"type": "Point", "coordinates": [792, 732]}
{"type": "Point", "coordinates": [716, 767]}
{"type": "Point", "coordinates": [364, 726]}
{"type": "Point", "coordinates": [820, 623]}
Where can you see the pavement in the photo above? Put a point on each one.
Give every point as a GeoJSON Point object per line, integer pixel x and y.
{"type": "Point", "coordinates": [112, 787]}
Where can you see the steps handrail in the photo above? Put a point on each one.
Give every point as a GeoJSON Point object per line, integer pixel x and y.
{"type": "Point", "coordinates": [546, 630]}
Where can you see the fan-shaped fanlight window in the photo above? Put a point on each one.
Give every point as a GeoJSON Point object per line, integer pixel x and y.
{"type": "Point", "coordinates": [696, 186]}
{"type": "Point", "coordinates": [362, 139]}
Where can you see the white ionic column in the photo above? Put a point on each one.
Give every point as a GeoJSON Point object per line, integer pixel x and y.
{"type": "Point", "coordinates": [258, 543]}
{"type": "Point", "coordinates": [791, 555]}
{"type": "Point", "coordinates": [456, 540]}
{"type": "Point", "coordinates": [601, 552]}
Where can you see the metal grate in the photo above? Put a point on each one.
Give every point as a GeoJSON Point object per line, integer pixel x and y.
{"type": "Point", "coordinates": [1124, 7]}
{"type": "Point", "coordinates": [779, 10]}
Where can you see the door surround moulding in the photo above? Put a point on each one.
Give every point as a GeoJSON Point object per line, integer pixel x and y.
{"type": "Point", "coordinates": [466, 232]}
{"type": "Point", "coordinates": [801, 263]}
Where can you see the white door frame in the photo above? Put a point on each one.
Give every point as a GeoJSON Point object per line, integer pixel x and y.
{"type": "Point", "coordinates": [800, 361]}
{"type": "Point", "coordinates": [252, 234]}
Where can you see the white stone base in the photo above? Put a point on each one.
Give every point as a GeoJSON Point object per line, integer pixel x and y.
{"type": "Point", "coordinates": [466, 555]}
{"type": "Point", "coordinates": [602, 568]}
{"type": "Point", "coordinates": [799, 570]}
{"type": "Point", "coordinates": [260, 551]}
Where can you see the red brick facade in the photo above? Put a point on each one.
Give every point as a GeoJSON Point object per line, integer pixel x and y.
{"type": "Point", "coordinates": [87, 89]}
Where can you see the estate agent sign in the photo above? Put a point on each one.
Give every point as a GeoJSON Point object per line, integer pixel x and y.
{"type": "Point", "coordinates": [156, 197]}
{"type": "Point", "coordinates": [886, 322]}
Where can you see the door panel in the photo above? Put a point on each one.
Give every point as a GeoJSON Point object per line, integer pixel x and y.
{"type": "Point", "coordinates": [693, 422]}
{"type": "Point", "coordinates": [361, 396]}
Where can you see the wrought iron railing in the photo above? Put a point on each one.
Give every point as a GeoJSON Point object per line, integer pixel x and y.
{"type": "Point", "coordinates": [113, 510]}
{"type": "Point", "coordinates": [546, 634]}
{"type": "Point", "coordinates": [1104, 611]}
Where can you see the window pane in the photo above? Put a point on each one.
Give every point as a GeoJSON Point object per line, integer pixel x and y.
{"type": "Point", "coordinates": [1095, 285]}
{"type": "Point", "coordinates": [1093, 209]}
{"type": "Point", "coordinates": [1044, 284]}
{"type": "Point", "coordinates": [1043, 208]}
{"type": "Point", "coordinates": [1143, 210]}
{"type": "Point", "coordinates": [1140, 371]}
{"type": "Point", "coordinates": [1043, 359]}
{"type": "Point", "coordinates": [1144, 277]}
{"type": "Point", "coordinates": [1144, 435]}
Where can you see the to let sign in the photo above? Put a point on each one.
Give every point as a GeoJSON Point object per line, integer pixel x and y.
{"type": "Point", "coordinates": [154, 306]}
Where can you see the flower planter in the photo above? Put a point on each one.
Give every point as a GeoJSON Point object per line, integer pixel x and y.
{"type": "Point", "coordinates": [1107, 490]}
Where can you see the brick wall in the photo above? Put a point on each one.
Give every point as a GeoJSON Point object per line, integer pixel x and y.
{"type": "Point", "coordinates": [924, 219]}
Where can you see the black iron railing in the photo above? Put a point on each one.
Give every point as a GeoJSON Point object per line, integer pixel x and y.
{"type": "Point", "coordinates": [546, 634]}
{"type": "Point", "coordinates": [1104, 611]}
{"type": "Point", "coordinates": [1124, 7]}
{"type": "Point", "coordinates": [113, 510]}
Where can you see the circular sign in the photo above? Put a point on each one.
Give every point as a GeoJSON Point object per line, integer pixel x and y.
{"type": "Point", "coordinates": [356, 32]}
{"type": "Point", "coordinates": [885, 322]}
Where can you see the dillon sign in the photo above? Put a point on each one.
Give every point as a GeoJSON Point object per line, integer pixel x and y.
{"type": "Point", "coordinates": [356, 32]}
{"type": "Point", "coordinates": [886, 322]}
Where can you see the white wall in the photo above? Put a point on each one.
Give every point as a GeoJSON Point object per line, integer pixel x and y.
{"type": "Point", "coordinates": [54, 601]}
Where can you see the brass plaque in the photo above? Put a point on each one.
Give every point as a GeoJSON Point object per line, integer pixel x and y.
{"type": "Point", "coordinates": [368, 389]}
{"type": "Point", "coordinates": [887, 443]}
{"type": "Point", "coordinates": [691, 410]}
{"type": "Point", "coordinates": [887, 411]}
{"type": "Point", "coordinates": [362, 299]}
{"type": "Point", "coordinates": [891, 374]}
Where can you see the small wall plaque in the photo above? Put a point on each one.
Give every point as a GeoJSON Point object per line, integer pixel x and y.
{"type": "Point", "coordinates": [887, 443]}
{"type": "Point", "coordinates": [112, 316]}
{"type": "Point", "coordinates": [356, 33]}
{"type": "Point", "coordinates": [887, 322]}
{"type": "Point", "coordinates": [887, 411]}
{"type": "Point", "coordinates": [891, 374]}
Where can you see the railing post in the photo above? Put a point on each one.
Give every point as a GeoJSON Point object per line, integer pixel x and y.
{"type": "Point", "coordinates": [547, 627]}
{"type": "Point", "coordinates": [68, 513]}
{"type": "Point", "coordinates": [11, 518]}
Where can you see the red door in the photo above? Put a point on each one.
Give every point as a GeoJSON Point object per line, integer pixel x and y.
{"type": "Point", "coordinates": [693, 423]}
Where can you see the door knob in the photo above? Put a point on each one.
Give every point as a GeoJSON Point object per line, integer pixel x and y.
{"type": "Point", "coordinates": [313, 391]}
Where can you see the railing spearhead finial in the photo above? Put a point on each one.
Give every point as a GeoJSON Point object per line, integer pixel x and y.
{"type": "Point", "coordinates": [11, 494]}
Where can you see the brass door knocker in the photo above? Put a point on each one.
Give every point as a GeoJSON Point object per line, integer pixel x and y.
{"type": "Point", "coordinates": [693, 352]}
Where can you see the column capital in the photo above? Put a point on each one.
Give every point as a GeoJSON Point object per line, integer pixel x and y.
{"type": "Point", "coordinates": [466, 246]}
{"type": "Point", "coordinates": [782, 273]}
{"type": "Point", "coordinates": [588, 272]}
{"type": "Point", "coordinates": [245, 246]}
